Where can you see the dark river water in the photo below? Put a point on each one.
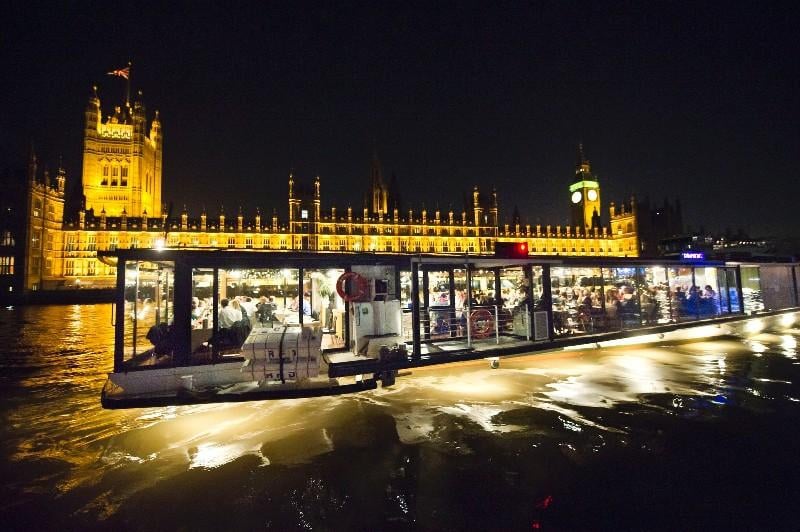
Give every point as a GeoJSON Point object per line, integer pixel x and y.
{"type": "Point", "coordinates": [700, 436]}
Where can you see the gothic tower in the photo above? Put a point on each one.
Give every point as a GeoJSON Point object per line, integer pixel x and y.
{"type": "Point", "coordinates": [122, 160]}
{"type": "Point", "coordinates": [379, 193]}
{"type": "Point", "coordinates": [585, 195]}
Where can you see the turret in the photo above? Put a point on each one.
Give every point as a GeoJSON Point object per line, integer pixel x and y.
{"type": "Point", "coordinates": [92, 112]}
{"type": "Point", "coordinates": [139, 118]}
{"type": "Point", "coordinates": [274, 220]}
{"type": "Point", "coordinates": [184, 219]}
{"type": "Point", "coordinates": [240, 220]}
{"type": "Point", "coordinates": [32, 167]}
{"type": "Point", "coordinates": [476, 205]}
{"type": "Point", "coordinates": [258, 219]}
{"type": "Point", "coordinates": [203, 219]}
{"type": "Point", "coordinates": [222, 218]}
{"type": "Point", "coordinates": [493, 211]}
{"type": "Point", "coordinates": [317, 199]}
{"type": "Point", "coordinates": [61, 179]}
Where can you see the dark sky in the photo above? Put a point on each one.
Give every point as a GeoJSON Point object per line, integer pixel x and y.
{"type": "Point", "coordinates": [691, 100]}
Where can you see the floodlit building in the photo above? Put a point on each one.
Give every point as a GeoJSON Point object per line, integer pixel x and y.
{"type": "Point", "coordinates": [123, 208]}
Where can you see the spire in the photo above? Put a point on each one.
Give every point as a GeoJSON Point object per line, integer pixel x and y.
{"type": "Point", "coordinates": [581, 158]}
{"type": "Point", "coordinates": [32, 165]}
{"type": "Point", "coordinates": [583, 169]}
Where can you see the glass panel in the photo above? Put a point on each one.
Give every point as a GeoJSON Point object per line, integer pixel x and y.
{"type": "Point", "coordinates": [751, 289]}
{"type": "Point", "coordinates": [708, 301]}
{"type": "Point", "coordinates": [326, 306]}
{"type": "Point", "coordinates": [776, 287]}
{"type": "Point", "coordinates": [577, 301]}
{"type": "Point", "coordinates": [439, 314]}
{"type": "Point", "coordinates": [514, 295]}
{"type": "Point", "coordinates": [149, 311]}
{"type": "Point", "coordinates": [405, 289]}
{"type": "Point", "coordinates": [680, 285]}
{"type": "Point", "coordinates": [438, 289]}
{"type": "Point", "coordinates": [483, 289]}
{"type": "Point", "coordinates": [733, 292]}
{"type": "Point", "coordinates": [622, 298]}
{"type": "Point", "coordinates": [654, 296]}
{"type": "Point", "coordinates": [202, 314]}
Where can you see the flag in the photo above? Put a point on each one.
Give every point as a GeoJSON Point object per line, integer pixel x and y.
{"type": "Point", "coordinates": [122, 72]}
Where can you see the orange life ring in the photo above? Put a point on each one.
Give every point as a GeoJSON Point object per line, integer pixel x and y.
{"type": "Point", "coordinates": [359, 287]}
{"type": "Point", "coordinates": [481, 323]}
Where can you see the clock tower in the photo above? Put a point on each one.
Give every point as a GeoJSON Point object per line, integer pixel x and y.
{"type": "Point", "coordinates": [584, 195]}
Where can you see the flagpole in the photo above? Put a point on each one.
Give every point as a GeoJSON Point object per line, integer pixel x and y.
{"type": "Point", "coordinates": [128, 87]}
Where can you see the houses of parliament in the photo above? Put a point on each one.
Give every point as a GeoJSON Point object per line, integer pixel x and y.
{"type": "Point", "coordinates": [46, 250]}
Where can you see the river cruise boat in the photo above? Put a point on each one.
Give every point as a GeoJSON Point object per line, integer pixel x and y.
{"type": "Point", "coordinates": [202, 326]}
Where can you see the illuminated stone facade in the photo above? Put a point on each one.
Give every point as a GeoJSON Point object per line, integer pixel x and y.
{"type": "Point", "coordinates": [128, 214]}
{"type": "Point", "coordinates": [44, 234]}
{"type": "Point", "coordinates": [122, 160]}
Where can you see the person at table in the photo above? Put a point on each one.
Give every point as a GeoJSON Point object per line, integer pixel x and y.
{"type": "Point", "coordinates": [265, 310]}
{"type": "Point", "coordinates": [228, 315]}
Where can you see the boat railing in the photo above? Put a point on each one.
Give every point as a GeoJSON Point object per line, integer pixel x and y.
{"type": "Point", "coordinates": [471, 324]}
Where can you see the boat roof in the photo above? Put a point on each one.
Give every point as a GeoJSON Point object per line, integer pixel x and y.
{"type": "Point", "coordinates": [265, 258]}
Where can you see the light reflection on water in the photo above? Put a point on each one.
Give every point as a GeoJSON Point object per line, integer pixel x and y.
{"type": "Point", "coordinates": [394, 457]}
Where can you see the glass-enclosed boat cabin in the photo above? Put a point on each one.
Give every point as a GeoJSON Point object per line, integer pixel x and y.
{"type": "Point", "coordinates": [371, 314]}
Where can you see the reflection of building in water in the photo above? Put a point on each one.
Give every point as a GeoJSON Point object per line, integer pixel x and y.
{"type": "Point", "coordinates": [122, 183]}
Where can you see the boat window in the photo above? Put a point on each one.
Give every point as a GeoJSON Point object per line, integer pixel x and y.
{"type": "Point", "coordinates": [621, 287]}
{"type": "Point", "coordinates": [149, 291]}
{"type": "Point", "coordinates": [708, 301]}
{"type": "Point", "coordinates": [751, 289]}
{"type": "Point", "coordinates": [654, 295]}
{"type": "Point", "coordinates": [777, 286]}
{"type": "Point", "coordinates": [728, 291]}
{"type": "Point", "coordinates": [578, 302]}
{"type": "Point", "coordinates": [438, 288]}
{"type": "Point", "coordinates": [405, 289]}
{"type": "Point", "coordinates": [683, 297]}
{"type": "Point", "coordinates": [483, 288]}
{"type": "Point", "coordinates": [438, 319]}
{"type": "Point", "coordinates": [202, 313]}
{"type": "Point", "coordinates": [327, 308]}
{"type": "Point", "coordinates": [514, 300]}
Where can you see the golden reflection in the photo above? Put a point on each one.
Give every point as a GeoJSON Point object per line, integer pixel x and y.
{"type": "Point", "coordinates": [61, 419]}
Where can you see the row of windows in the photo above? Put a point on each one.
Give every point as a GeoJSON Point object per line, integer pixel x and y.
{"type": "Point", "coordinates": [115, 149]}
{"type": "Point", "coordinates": [6, 265]}
{"type": "Point", "coordinates": [90, 269]}
{"type": "Point", "coordinates": [7, 239]}
{"type": "Point", "coordinates": [118, 176]}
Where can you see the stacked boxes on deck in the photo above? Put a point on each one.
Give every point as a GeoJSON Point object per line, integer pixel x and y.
{"type": "Point", "coordinates": [284, 353]}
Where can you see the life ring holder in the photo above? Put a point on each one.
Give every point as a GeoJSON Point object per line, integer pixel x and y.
{"type": "Point", "coordinates": [359, 286]}
{"type": "Point", "coordinates": [481, 323]}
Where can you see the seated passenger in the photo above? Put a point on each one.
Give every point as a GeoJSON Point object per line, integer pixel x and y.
{"type": "Point", "coordinates": [228, 315]}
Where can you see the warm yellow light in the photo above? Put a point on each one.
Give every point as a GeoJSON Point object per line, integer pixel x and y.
{"type": "Point", "coordinates": [159, 244]}
{"type": "Point", "coordinates": [754, 326]}
{"type": "Point", "coordinates": [787, 320]}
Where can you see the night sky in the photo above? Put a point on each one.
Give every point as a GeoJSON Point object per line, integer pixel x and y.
{"type": "Point", "coordinates": [697, 101]}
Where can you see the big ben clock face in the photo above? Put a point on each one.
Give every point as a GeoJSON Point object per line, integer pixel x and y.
{"type": "Point", "coordinates": [592, 195]}
{"type": "Point", "coordinates": [576, 196]}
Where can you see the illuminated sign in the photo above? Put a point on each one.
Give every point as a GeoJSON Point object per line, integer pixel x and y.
{"type": "Point", "coordinates": [693, 255]}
